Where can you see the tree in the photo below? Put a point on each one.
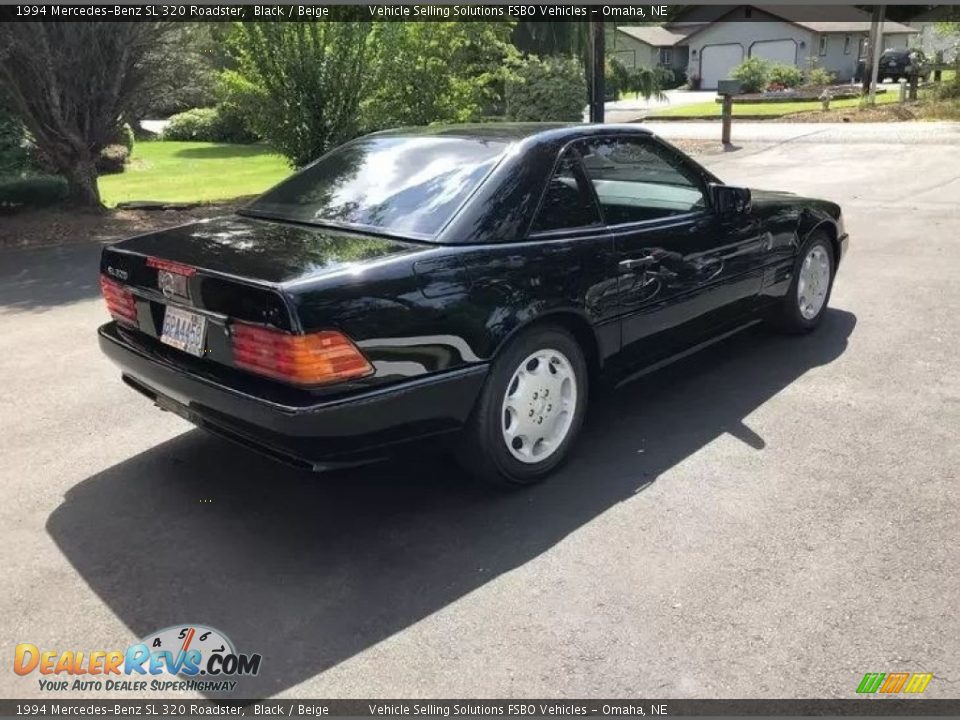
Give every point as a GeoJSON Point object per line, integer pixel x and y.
{"type": "Point", "coordinates": [426, 72]}
{"type": "Point", "coordinates": [552, 37]}
{"type": "Point", "coordinates": [549, 88]}
{"type": "Point", "coordinates": [183, 72]}
{"type": "Point", "coordinates": [300, 83]}
{"type": "Point", "coordinates": [69, 82]}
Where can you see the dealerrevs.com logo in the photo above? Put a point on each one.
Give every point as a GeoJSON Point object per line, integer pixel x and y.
{"type": "Point", "coordinates": [204, 659]}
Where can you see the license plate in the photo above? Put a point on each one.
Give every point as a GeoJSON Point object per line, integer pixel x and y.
{"type": "Point", "coordinates": [184, 330]}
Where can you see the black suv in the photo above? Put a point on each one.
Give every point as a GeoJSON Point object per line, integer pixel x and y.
{"type": "Point", "coordinates": [897, 63]}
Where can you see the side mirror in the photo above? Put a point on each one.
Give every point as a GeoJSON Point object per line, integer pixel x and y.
{"type": "Point", "coordinates": [729, 200]}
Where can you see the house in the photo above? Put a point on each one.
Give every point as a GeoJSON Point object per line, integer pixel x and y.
{"type": "Point", "coordinates": [707, 42]}
{"type": "Point", "coordinates": [932, 38]}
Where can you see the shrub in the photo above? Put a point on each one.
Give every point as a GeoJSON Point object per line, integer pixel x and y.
{"type": "Point", "coordinates": [303, 81]}
{"type": "Point", "coordinates": [947, 90]}
{"type": "Point", "coordinates": [426, 72]}
{"type": "Point", "coordinates": [36, 191]}
{"type": "Point", "coordinates": [753, 74]}
{"type": "Point", "coordinates": [615, 78]}
{"type": "Point", "coordinates": [545, 88]}
{"type": "Point", "coordinates": [819, 76]}
{"type": "Point", "coordinates": [14, 156]}
{"type": "Point", "coordinates": [787, 76]}
{"type": "Point", "coordinates": [232, 126]}
{"type": "Point", "coordinates": [223, 123]}
{"type": "Point", "coordinates": [123, 135]}
{"type": "Point", "coordinates": [112, 160]}
{"type": "Point", "coordinates": [14, 149]}
{"type": "Point", "coordinates": [671, 79]}
{"type": "Point", "coordinates": [196, 124]}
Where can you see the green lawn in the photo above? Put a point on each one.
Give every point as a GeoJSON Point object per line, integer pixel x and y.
{"type": "Point", "coordinates": [194, 171]}
{"type": "Point", "coordinates": [770, 109]}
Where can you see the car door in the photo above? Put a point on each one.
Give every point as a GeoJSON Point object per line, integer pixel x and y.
{"type": "Point", "coordinates": [684, 272]}
{"type": "Point", "coordinates": [574, 252]}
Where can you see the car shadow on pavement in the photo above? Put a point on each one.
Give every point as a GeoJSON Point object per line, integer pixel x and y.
{"type": "Point", "coordinates": [309, 570]}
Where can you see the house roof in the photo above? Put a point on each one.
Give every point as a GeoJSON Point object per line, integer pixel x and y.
{"type": "Point", "coordinates": [659, 35]}
{"type": "Point", "coordinates": [829, 18]}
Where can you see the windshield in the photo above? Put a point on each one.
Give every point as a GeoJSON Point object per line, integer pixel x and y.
{"type": "Point", "coordinates": [408, 186]}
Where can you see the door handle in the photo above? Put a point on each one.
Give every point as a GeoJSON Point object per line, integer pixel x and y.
{"type": "Point", "coordinates": [637, 263]}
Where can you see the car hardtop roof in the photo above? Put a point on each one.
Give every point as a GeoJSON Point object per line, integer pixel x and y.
{"type": "Point", "coordinates": [516, 131]}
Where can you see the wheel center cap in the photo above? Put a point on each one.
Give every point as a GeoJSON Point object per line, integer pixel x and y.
{"type": "Point", "coordinates": [541, 405]}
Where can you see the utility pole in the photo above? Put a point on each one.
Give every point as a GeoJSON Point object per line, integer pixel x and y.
{"type": "Point", "coordinates": [876, 38]}
{"type": "Point", "coordinates": [597, 90]}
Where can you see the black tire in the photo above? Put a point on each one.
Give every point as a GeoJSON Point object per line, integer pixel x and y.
{"type": "Point", "coordinates": [789, 317]}
{"type": "Point", "coordinates": [483, 451]}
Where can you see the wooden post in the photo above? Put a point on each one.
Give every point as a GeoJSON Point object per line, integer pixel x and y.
{"type": "Point", "coordinates": [914, 80]}
{"type": "Point", "coordinates": [727, 115]}
{"type": "Point", "coordinates": [597, 89]}
{"type": "Point", "coordinates": [876, 30]}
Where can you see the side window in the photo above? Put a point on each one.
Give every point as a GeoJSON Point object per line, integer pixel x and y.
{"type": "Point", "coordinates": [567, 202]}
{"type": "Point", "coordinates": [637, 180]}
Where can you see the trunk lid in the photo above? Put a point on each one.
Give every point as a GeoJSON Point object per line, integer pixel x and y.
{"type": "Point", "coordinates": [230, 269]}
{"type": "Point", "coordinates": [263, 251]}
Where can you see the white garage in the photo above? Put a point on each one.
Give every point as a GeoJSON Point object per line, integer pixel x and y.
{"type": "Point", "coordinates": [780, 52]}
{"type": "Point", "coordinates": [716, 62]}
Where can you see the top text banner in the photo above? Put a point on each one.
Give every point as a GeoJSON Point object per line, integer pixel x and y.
{"type": "Point", "coordinates": [335, 10]}
{"type": "Point", "coordinates": [833, 7]}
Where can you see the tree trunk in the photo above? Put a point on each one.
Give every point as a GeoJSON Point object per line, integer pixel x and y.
{"type": "Point", "coordinates": [82, 190]}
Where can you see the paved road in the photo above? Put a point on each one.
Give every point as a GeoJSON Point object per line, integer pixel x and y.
{"type": "Point", "coordinates": [891, 134]}
{"type": "Point", "coordinates": [630, 109]}
{"type": "Point", "coordinates": [774, 517]}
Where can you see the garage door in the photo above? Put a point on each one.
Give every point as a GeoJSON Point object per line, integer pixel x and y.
{"type": "Point", "coordinates": [716, 62]}
{"type": "Point", "coordinates": [776, 51]}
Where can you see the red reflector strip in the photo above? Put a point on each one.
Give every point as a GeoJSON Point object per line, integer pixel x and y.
{"type": "Point", "coordinates": [120, 302]}
{"type": "Point", "coordinates": [170, 266]}
{"type": "Point", "coordinates": [312, 359]}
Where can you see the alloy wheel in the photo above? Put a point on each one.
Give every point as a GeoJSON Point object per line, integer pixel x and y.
{"type": "Point", "coordinates": [539, 405]}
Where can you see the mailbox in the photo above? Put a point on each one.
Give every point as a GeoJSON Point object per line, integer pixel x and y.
{"type": "Point", "coordinates": [728, 87]}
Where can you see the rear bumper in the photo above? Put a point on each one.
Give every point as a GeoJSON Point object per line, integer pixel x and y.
{"type": "Point", "coordinates": [365, 426]}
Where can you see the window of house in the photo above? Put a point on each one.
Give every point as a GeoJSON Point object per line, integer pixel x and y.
{"type": "Point", "coordinates": [567, 201]}
{"type": "Point", "coordinates": [846, 44]}
{"type": "Point", "coordinates": [748, 12]}
{"type": "Point", "coordinates": [636, 179]}
{"type": "Point", "coordinates": [862, 49]}
{"type": "Point", "coordinates": [823, 45]}
{"type": "Point", "coordinates": [666, 56]}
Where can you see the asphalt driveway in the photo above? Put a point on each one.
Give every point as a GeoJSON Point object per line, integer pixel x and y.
{"type": "Point", "coordinates": [774, 517]}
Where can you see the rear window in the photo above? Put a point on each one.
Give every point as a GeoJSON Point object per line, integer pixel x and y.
{"type": "Point", "coordinates": [408, 186]}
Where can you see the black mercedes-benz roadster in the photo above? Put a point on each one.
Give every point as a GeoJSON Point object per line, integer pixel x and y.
{"type": "Point", "coordinates": [470, 281]}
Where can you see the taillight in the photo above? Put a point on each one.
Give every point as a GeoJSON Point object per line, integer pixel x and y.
{"type": "Point", "coordinates": [120, 302]}
{"type": "Point", "coordinates": [311, 359]}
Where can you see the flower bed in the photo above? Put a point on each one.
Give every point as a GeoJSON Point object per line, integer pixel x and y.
{"type": "Point", "coordinates": [800, 94]}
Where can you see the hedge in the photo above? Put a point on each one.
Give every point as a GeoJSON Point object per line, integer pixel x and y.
{"type": "Point", "coordinates": [216, 124]}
